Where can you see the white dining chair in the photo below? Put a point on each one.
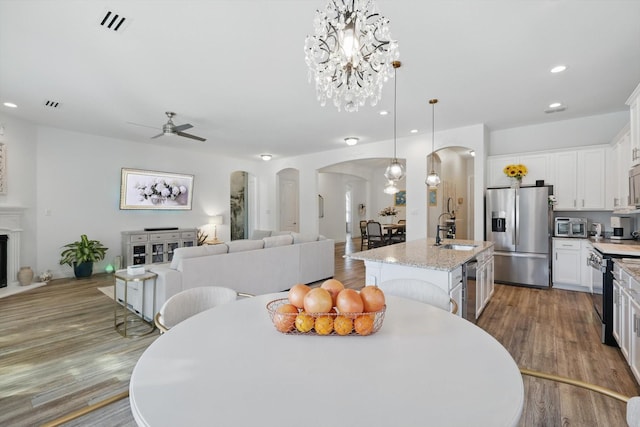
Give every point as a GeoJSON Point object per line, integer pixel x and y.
{"type": "Point", "coordinates": [420, 290]}
{"type": "Point", "coordinates": [192, 301]}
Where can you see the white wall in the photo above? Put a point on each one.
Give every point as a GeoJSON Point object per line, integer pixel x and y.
{"type": "Point", "coordinates": [590, 130]}
{"type": "Point", "coordinates": [332, 187]}
{"type": "Point", "coordinates": [78, 183]}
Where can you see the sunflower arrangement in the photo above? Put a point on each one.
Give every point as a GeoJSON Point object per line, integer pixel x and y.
{"type": "Point", "coordinates": [515, 171]}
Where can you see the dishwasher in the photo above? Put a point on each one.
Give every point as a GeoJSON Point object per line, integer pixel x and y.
{"type": "Point", "coordinates": [469, 290]}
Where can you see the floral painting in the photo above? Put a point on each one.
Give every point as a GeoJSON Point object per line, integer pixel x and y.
{"type": "Point", "coordinates": [141, 189]}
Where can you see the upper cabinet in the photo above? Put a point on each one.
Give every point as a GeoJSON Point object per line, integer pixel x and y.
{"type": "Point", "coordinates": [538, 166]}
{"type": "Point", "coordinates": [579, 179]}
{"type": "Point", "coordinates": [634, 126]}
{"type": "Point", "coordinates": [618, 165]}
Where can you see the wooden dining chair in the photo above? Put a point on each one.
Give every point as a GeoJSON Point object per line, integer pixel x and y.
{"type": "Point", "coordinates": [375, 237]}
{"type": "Point", "coordinates": [192, 301]}
{"type": "Point", "coordinates": [363, 235]}
{"type": "Point", "coordinates": [633, 403]}
{"type": "Point", "coordinates": [420, 290]}
{"type": "Point", "coordinates": [399, 235]}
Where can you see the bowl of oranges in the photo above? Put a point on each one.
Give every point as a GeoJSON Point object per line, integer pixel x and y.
{"type": "Point", "coordinates": [330, 309]}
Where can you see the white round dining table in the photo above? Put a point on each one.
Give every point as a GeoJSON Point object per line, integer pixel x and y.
{"type": "Point", "coordinates": [229, 366]}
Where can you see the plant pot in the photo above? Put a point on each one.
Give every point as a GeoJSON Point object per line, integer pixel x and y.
{"type": "Point", "coordinates": [84, 269]}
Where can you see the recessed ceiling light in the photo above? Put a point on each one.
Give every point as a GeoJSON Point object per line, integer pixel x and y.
{"type": "Point", "coordinates": [558, 68]}
{"type": "Point", "coordinates": [384, 112]}
{"type": "Point", "coordinates": [555, 105]}
{"type": "Point", "coordinates": [414, 130]}
{"type": "Point", "coordinates": [351, 140]}
{"type": "Point", "coordinates": [10, 105]}
{"type": "Point", "coordinates": [266, 157]}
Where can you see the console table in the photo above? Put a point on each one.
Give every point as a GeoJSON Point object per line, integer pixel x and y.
{"type": "Point", "coordinates": [135, 285]}
{"type": "Point", "coordinates": [140, 247]}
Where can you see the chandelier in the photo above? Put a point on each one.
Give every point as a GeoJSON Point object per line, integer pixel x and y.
{"type": "Point", "coordinates": [395, 170]}
{"type": "Point", "coordinates": [433, 180]}
{"type": "Point", "coordinates": [350, 54]}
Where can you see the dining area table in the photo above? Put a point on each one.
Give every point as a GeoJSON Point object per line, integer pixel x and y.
{"type": "Point", "coordinates": [229, 366]}
{"type": "Point", "coordinates": [394, 229]}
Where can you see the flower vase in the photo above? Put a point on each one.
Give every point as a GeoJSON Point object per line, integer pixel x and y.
{"type": "Point", "coordinates": [25, 276]}
{"type": "Point", "coordinates": [515, 182]}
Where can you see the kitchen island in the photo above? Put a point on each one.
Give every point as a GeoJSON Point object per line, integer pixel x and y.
{"type": "Point", "coordinates": [441, 265]}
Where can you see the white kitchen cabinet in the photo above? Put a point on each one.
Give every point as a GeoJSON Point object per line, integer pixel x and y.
{"type": "Point", "coordinates": [617, 176]}
{"type": "Point", "coordinates": [621, 317]}
{"type": "Point", "coordinates": [634, 125]}
{"type": "Point", "coordinates": [579, 179]}
{"type": "Point", "coordinates": [569, 264]}
{"type": "Point", "coordinates": [634, 338]}
{"type": "Point", "coordinates": [538, 166]}
{"type": "Point", "coordinates": [484, 280]}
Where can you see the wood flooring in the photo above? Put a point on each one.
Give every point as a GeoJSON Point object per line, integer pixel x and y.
{"type": "Point", "coordinates": [59, 352]}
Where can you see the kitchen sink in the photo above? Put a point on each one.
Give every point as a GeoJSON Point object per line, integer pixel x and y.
{"type": "Point", "coordinates": [458, 247]}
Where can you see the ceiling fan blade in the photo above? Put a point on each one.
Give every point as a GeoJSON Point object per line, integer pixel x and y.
{"type": "Point", "coordinates": [144, 126]}
{"type": "Point", "coordinates": [158, 135]}
{"type": "Point", "coordinates": [188, 135]}
{"type": "Point", "coordinates": [180, 128]}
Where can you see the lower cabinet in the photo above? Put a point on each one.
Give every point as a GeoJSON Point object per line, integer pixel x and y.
{"type": "Point", "coordinates": [621, 316]}
{"type": "Point", "coordinates": [634, 338]}
{"type": "Point", "coordinates": [484, 280]}
{"type": "Point", "coordinates": [569, 262]}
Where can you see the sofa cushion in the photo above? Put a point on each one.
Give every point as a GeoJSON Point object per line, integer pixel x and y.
{"type": "Point", "coordinates": [273, 241]}
{"type": "Point", "coordinates": [280, 233]}
{"type": "Point", "coordinates": [304, 238]}
{"type": "Point", "coordinates": [260, 234]}
{"type": "Point", "coordinates": [196, 251]}
{"type": "Point", "coordinates": [244, 245]}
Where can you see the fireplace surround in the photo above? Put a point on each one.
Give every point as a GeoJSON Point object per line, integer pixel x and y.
{"type": "Point", "coordinates": [11, 227]}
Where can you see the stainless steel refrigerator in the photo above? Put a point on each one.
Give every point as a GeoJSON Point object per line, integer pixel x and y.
{"type": "Point", "coordinates": [519, 222]}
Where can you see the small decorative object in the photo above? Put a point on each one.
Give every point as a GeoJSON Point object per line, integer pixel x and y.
{"type": "Point", "coordinates": [45, 277]}
{"type": "Point", "coordinates": [388, 213]}
{"type": "Point", "coordinates": [82, 254]}
{"type": "Point", "coordinates": [135, 270]}
{"type": "Point", "coordinates": [516, 173]}
{"type": "Point", "coordinates": [25, 276]}
{"type": "Point", "coordinates": [552, 200]}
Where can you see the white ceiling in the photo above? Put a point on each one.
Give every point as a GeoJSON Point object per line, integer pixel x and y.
{"type": "Point", "coordinates": [235, 68]}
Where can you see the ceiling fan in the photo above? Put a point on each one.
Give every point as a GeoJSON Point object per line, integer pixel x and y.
{"type": "Point", "coordinates": [170, 128]}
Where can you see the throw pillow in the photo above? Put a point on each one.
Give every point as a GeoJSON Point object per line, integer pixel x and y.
{"type": "Point", "coordinates": [260, 234]}
{"type": "Point", "coordinates": [304, 238]}
{"type": "Point", "coordinates": [273, 241]}
{"type": "Point", "coordinates": [244, 245]}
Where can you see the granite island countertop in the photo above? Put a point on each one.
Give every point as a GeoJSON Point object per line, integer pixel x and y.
{"type": "Point", "coordinates": [422, 253]}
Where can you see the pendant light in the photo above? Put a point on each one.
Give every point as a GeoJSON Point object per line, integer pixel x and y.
{"type": "Point", "coordinates": [433, 180]}
{"type": "Point", "coordinates": [395, 170]}
{"type": "Point", "coordinates": [390, 188]}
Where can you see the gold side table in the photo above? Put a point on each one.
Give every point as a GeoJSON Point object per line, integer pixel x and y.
{"type": "Point", "coordinates": [146, 279]}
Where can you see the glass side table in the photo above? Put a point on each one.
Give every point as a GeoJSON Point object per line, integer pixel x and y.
{"type": "Point", "coordinates": [129, 323]}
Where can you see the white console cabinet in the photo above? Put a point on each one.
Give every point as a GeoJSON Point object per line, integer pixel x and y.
{"type": "Point", "coordinates": [153, 247]}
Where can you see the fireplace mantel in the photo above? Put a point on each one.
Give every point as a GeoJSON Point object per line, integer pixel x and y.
{"type": "Point", "coordinates": [11, 225]}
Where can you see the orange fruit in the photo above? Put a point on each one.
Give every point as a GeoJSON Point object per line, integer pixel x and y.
{"type": "Point", "coordinates": [285, 317]}
{"type": "Point", "coordinates": [324, 325]}
{"type": "Point", "coordinates": [363, 324]}
{"type": "Point", "coordinates": [342, 325]}
{"type": "Point", "coordinates": [304, 322]}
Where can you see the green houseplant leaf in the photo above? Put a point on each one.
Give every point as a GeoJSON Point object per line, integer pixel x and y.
{"type": "Point", "coordinates": [84, 250]}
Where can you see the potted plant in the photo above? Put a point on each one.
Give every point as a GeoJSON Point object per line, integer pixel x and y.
{"type": "Point", "coordinates": [82, 254]}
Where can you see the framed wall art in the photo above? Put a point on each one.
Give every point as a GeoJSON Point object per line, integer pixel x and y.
{"type": "Point", "coordinates": [143, 189]}
{"type": "Point", "coordinates": [433, 197]}
{"type": "Point", "coordinates": [401, 198]}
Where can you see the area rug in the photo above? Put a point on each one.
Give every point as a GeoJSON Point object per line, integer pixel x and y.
{"type": "Point", "coordinates": [107, 290]}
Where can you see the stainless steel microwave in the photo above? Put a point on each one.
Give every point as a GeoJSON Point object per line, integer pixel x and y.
{"type": "Point", "coordinates": [570, 227]}
{"type": "Point", "coordinates": [634, 186]}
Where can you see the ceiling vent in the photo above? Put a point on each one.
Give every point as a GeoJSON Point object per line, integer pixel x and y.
{"type": "Point", "coordinates": [52, 104]}
{"type": "Point", "coordinates": [113, 21]}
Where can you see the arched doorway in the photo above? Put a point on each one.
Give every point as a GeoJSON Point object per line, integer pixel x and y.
{"type": "Point", "coordinates": [454, 197]}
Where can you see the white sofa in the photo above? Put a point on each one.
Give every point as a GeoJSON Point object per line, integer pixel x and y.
{"type": "Point", "coordinates": [261, 266]}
